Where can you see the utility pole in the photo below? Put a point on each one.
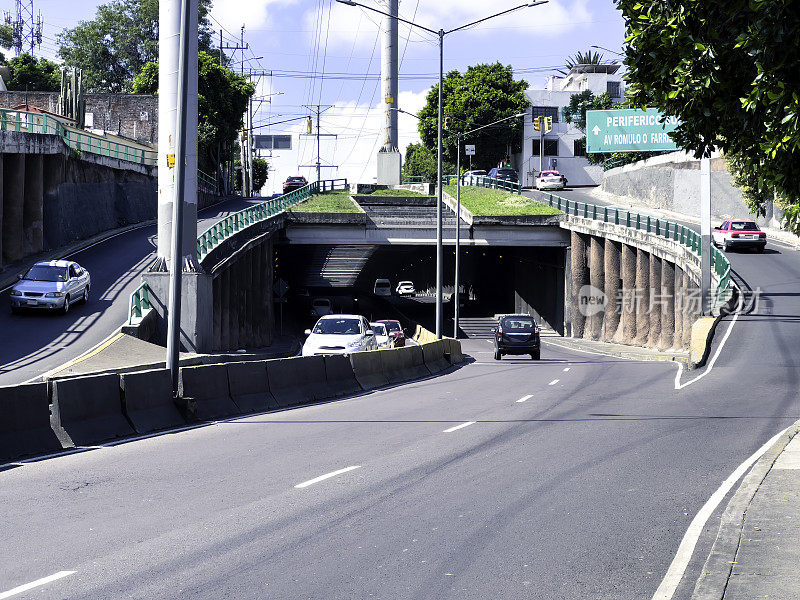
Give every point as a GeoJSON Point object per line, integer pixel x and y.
{"type": "Point", "coordinates": [222, 47]}
{"type": "Point", "coordinates": [318, 110]}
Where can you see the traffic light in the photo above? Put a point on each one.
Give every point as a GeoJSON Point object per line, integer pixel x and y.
{"type": "Point", "coordinates": [548, 122]}
{"type": "Point", "coordinates": [446, 123]}
{"type": "Point", "coordinates": [536, 124]}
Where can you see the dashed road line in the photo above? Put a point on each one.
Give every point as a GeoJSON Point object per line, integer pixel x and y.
{"type": "Point", "coordinates": [555, 381]}
{"type": "Point", "coordinates": [566, 369]}
{"type": "Point", "coordinates": [34, 584]}
{"type": "Point", "coordinates": [528, 397]}
{"type": "Point", "coordinates": [305, 484]}
{"type": "Point", "coordinates": [457, 427]}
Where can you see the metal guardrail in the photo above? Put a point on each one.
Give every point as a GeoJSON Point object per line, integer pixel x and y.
{"type": "Point", "coordinates": [661, 227]}
{"type": "Point", "coordinates": [139, 302]}
{"type": "Point", "coordinates": [206, 182]}
{"type": "Point", "coordinates": [486, 182]}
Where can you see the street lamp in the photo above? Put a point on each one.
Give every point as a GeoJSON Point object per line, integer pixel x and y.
{"type": "Point", "coordinates": [460, 135]}
{"type": "Point", "coordinates": [440, 34]}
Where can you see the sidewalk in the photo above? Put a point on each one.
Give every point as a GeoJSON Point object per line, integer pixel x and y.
{"type": "Point", "coordinates": [757, 551]}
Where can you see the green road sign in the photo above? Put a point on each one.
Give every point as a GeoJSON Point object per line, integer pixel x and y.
{"type": "Point", "coordinates": [629, 130]}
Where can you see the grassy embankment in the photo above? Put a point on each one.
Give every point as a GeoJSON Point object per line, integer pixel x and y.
{"type": "Point", "coordinates": [330, 202]}
{"type": "Point", "coordinates": [491, 202]}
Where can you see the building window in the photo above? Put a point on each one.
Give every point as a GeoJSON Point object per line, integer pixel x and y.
{"type": "Point", "coordinates": [613, 89]}
{"type": "Point", "coordinates": [579, 147]}
{"type": "Point", "coordinates": [550, 147]}
{"type": "Point", "coordinates": [545, 111]}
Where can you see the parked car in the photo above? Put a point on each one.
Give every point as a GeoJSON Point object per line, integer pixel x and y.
{"type": "Point", "coordinates": [472, 177]}
{"type": "Point", "coordinates": [739, 233]}
{"type": "Point", "coordinates": [516, 334]}
{"type": "Point", "coordinates": [504, 173]}
{"type": "Point", "coordinates": [321, 307]}
{"type": "Point", "coordinates": [395, 330]}
{"type": "Point", "coordinates": [382, 339]}
{"type": "Point", "coordinates": [383, 287]}
{"type": "Point", "coordinates": [550, 180]}
{"type": "Point", "coordinates": [294, 183]}
{"type": "Point", "coordinates": [52, 286]}
{"type": "Point", "coordinates": [406, 288]}
{"type": "Point", "coordinates": [339, 334]}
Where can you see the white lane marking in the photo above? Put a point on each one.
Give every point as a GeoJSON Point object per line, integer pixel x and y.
{"type": "Point", "coordinates": [35, 584]}
{"type": "Point", "coordinates": [710, 365]}
{"type": "Point", "coordinates": [678, 566]}
{"type": "Point", "coordinates": [326, 476]}
{"type": "Point", "coordinates": [566, 369]}
{"type": "Point", "coordinates": [528, 397]}
{"type": "Point", "coordinates": [555, 381]}
{"type": "Point", "coordinates": [467, 424]}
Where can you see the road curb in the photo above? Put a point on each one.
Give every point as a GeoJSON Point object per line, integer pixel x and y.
{"type": "Point", "coordinates": [617, 350]}
{"type": "Point", "coordinates": [717, 569]}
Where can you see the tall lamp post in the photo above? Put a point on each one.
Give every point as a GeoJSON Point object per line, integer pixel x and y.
{"type": "Point", "coordinates": [460, 135]}
{"type": "Point", "coordinates": [440, 34]}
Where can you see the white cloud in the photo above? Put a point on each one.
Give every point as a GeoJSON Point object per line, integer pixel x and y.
{"type": "Point", "coordinates": [253, 14]}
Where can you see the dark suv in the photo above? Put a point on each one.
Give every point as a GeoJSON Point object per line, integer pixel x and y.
{"type": "Point", "coordinates": [504, 173]}
{"type": "Point", "coordinates": [294, 183]}
{"type": "Point", "coordinates": [516, 334]}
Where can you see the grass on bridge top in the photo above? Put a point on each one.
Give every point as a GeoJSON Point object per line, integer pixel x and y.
{"type": "Point", "coordinates": [330, 202]}
{"type": "Point", "coordinates": [492, 202]}
{"type": "Point", "coordinates": [393, 193]}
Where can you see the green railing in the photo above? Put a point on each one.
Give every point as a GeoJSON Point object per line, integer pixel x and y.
{"type": "Point", "coordinates": [227, 227]}
{"type": "Point", "coordinates": [139, 302]}
{"type": "Point", "coordinates": [206, 182]}
{"type": "Point", "coordinates": [661, 227]}
{"type": "Point", "coordinates": [491, 182]}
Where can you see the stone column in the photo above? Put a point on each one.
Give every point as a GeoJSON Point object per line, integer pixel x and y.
{"type": "Point", "coordinates": [1, 210]}
{"type": "Point", "coordinates": [626, 332]}
{"type": "Point", "coordinates": [611, 262]}
{"type": "Point", "coordinates": [580, 277]}
{"type": "Point", "coordinates": [249, 298]}
{"type": "Point", "coordinates": [655, 305]}
{"type": "Point", "coordinates": [235, 306]}
{"type": "Point", "coordinates": [692, 309]}
{"type": "Point", "coordinates": [217, 312]}
{"type": "Point", "coordinates": [32, 211]}
{"type": "Point", "coordinates": [668, 307]}
{"type": "Point", "coordinates": [258, 295]}
{"type": "Point", "coordinates": [594, 328]}
{"type": "Point", "coordinates": [225, 309]}
{"type": "Point", "coordinates": [680, 301]}
{"type": "Point", "coordinates": [54, 166]}
{"type": "Point", "coordinates": [269, 306]}
{"type": "Point", "coordinates": [13, 202]}
{"type": "Point", "coordinates": [642, 297]}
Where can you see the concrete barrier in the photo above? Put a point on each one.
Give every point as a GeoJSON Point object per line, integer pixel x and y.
{"type": "Point", "coordinates": [87, 410]}
{"type": "Point", "coordinates": [203, 392]}
{"type": "Point", "coordinates": [339, 375]}
{"type": "Point", "coordinates": [418, 368]}
{"type": "Point", "coordinates": [368, 369]}
{"type": "Point", "coordinates": [434, 355]}
{"type": "Point", "coordinates": [249, 386]}
{"type": "Point", "coordinates": [147, 400]}
{"type": "Point", "coordinates": [297, 380]}
{"type": "Point", "coordinates": [25, 421]}
{"type": "Point", "coordinates": [399, 364]}
{"type": "Point", "coordinates": [454, 350]}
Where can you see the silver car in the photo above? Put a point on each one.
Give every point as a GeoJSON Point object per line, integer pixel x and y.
{"type": "Point", "coordinates": [51, 285]}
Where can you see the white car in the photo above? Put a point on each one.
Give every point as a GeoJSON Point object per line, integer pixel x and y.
{"type": "Point", "coordinates": [339, 334]}
{"type": "Point", "coordinates": [382, 287]}
{"type": "Point", "coordinates": [472, 177]}
{"type": "Point", "coordinates": [382, 338]}
{"type": "Point", "coordinates": [52, 285]}
{"type": "Point", "coordinates": [321, 307]}
{"type": "Point", "coordinates": [406, 288]}
{"type": "Point", "coordinates": [550, 180]}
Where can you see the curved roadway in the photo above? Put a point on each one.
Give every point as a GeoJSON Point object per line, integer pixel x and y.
{"type": "Point", "coordinates": [572, 477]}
{"type": "Point", "coordinates": [35, 343]}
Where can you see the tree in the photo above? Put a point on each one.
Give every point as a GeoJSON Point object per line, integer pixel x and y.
{"type": "Point", "coordinates": [579, 58]}
{"type": "Point", "coordinates": [6, 39]}
{"type": "Point", "coordinates": [579, 103]}
{"type": "Point", "coordinates": [482, 95]}
{"type": "Point", "coordinates": [260, 173]}
{"type": "Point", "coordinates": [112, 49]}
{"type": "Point", "coordinates": [420, 161]}
{"type": "Point", "coordinates": [728, 71]}
{"type": "Point", "coordinates": [222, 99]}
{"type": "Point", "coordinates": [34, 74]}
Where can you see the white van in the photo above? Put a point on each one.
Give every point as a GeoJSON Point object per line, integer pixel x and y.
{"type": "Point", "coordinates": [382, 287]}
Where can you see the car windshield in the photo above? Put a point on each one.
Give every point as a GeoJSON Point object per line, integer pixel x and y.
{"type": "Point", "coordinates": [478, 173]}
{"type": "Point", "coordinates": [393, 326]}
{"type": "Point", "coordinates": [338, 326]}
{"type": "Point", "coordinates": [378, 329]}
{"type": "Point", "coordinates": [46, 273]}
{"type": "Point", "coordinates": [405, 283]}
{"type": "Point", "coordinates": [550, 174]}
{"type": "Point", "coordinates": [506, 172]}
{"type": "Point", "coordinates": [517, 324]}
{"type": "Point", "coordinates": [744, 226]}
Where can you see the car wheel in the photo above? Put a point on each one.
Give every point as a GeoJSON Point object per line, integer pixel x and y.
{"type": "Point", "coordinates": [65, 310]}
{"type": "Point", "coordinates": [85, 299]}
{"type": "Point", "coordinates": [761, 249]}
{"type": "Point", "coordinates": [725, 247]}
{"type": "Point", "coordinates": [497, 355]}
{"type": "Point", "coordinates": [536, 355]}
{"type": "Point", "coordinates": [15, 310]}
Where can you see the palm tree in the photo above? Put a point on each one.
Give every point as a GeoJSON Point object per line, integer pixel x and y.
{"type": "Point", "coordinates": [579, 58]}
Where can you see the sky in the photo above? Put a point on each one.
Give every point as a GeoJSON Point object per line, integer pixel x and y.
{"type": "Point", "coordinates": [320, 52]}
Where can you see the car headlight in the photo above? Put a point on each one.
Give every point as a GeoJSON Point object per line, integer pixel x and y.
{"type": "Point", "coordinates": [54, 294]}
{"type": "Point", "coordinates": [15, 293]}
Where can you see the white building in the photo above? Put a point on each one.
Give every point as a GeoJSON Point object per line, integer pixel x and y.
{"type": "Point", "coordinates": [562, 150]}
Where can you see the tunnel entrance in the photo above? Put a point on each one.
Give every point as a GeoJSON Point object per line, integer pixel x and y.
{"type": "Point", "coordinates": [494, 280]}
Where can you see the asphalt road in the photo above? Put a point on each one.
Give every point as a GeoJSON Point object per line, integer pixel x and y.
{"type": "Point", "coordinates": [572, 477]}
{"type": "Point", "coordinates": [35, 343]}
